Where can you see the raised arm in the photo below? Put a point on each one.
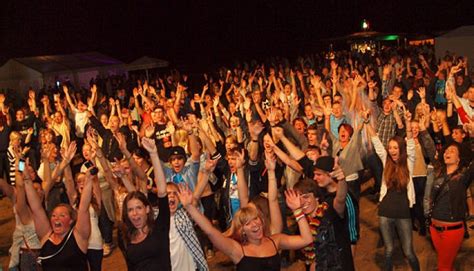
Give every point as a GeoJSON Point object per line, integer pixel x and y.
{"type": "Point", "coordinates": [227, 245]}
{"type": "Point", "coordinates": [340, 199]}
{"type": "Point", "coordinates": [242, 187]}
{"type": "Point", "coordinates": [68, 98]}
{"type": "Point", "coordinates": [122, 142]}
{"type": "Point", "coordinates": [276, 222]}
{"type": "Point", "coordinates": [42, 225]}
{"type": "Point", "coordinates": [305, 237]}
{"type": "Point", "coordinates": [160, 180]}
{"type": "Point", "coordinates": [83, 224]}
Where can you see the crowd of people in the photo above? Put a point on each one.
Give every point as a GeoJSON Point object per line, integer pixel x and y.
{"type": "Point", "coordinates": [262, 158]}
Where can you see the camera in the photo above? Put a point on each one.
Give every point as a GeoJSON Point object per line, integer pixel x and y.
{"type": "Point", "coordinates": [93, 169]}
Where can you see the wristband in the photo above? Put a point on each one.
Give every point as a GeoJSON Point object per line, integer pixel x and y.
{"type": "Point", "coordinates": [298, 218]}
{"type": "Point", "coordinates": [297, 212]}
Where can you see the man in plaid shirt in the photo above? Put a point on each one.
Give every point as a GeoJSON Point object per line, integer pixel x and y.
{"type": "Point", "coordinates": [388, 119]}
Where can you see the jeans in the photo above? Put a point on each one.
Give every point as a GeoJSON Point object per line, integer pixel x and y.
{"type": "Point", "coordinates": [374, 164]}
{"type": "Point", "coordinates": [404, 230]}
{"type": "Point", "coordinates": [94, 257]}
{"type": "Point", "coordinates": [418, 213]}
{"type": "Point", "coordinates": [106, 226]}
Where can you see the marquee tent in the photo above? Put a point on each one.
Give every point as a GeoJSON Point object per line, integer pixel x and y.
{"type": "Point", "coordinates": [22, 73]}
{"type": "Point", "coordinates": [459, 41]}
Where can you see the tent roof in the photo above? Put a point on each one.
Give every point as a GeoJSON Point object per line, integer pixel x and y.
{"type": "Point", "coordinates": [56, 63]}
{"type": "Point", "coordinates": [146, 62]}
{"type": "Point", "coordinates": [463, 31]}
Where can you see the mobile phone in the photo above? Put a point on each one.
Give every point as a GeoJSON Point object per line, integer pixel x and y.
{"type": "Point", "coordinates": [21, 165]}
{"type": "Point", "coordinates": [93, 168]}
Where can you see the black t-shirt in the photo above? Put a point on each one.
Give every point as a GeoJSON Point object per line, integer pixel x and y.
{"type": "Point", "coordinates": [341, 234]}
{"type": "Point", "coordinates": [4, 138]}
{"type": "Point", "coordinates": [395, 204]}
{"type": "Point", "coordinates": [153, 253]}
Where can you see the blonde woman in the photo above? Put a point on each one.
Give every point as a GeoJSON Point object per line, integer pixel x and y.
{"type": "Point", "coordinates": [247, 245]}
{"type": "Point", "coordinates": [16, 150]}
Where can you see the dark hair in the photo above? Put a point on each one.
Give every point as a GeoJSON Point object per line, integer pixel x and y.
{"type": "Point", "coordinates": [141, 152]}
{"type": "Point", "coordinates": [396, 174]}
{"type": "Point", "coordinates": [459, 127]}
{"type": "Point", "coordinates": [308, 186]}
{"type": "Point", "coordinates": [348, 128]}
{"type": "Point", "coordinates": [128, 230]}
{"type": "Point", "coordinates": [313, 126]}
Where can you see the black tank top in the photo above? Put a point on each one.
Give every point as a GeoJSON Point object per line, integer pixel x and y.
{"type": "Point", "coordinates": [70, 258]}
{"type": "Point", "coordinates": [248, 263]}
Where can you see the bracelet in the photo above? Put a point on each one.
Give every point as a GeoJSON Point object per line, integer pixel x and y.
{"type": "Point", "coordinates": [298, 218]}
{"type": "Point", "coordinates": [297, 212]}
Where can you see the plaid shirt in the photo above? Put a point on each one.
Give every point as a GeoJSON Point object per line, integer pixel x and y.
{"type": "Point", "coordinates": [386, 127]}
{"type": "Point", "coordinates": [186, 231]}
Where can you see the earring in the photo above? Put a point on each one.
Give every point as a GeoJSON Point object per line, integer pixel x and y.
{"type": "Point", "coordinates": [243, 236]}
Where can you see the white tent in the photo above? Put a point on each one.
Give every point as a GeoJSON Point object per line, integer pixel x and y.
{"type": "Point", "coordinates": [459, 41]}
{"type": "Point", "coordinates": [21, 73]}
{"type": "Point", "coordinates": [147, 63]}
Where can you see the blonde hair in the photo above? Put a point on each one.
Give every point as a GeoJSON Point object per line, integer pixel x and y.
{"type": "Point", "coordinates": [14, 135]}
{"type": "Point", "coordinates": [242, 217]}
{"type": "Point", "coordinates": [181, 138]}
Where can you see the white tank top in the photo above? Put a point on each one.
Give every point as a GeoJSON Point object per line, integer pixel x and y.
{"type": "Point", "coordinates": [95, 239]}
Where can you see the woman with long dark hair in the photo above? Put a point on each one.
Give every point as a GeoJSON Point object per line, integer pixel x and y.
{"type": "Point", "coordinates": [147, 245]}
{"type": "Point", "coordinates": [446, 193]}
{"type": "Point", "coordinates": [397, 193]}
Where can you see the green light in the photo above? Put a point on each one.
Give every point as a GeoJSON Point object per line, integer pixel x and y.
{"type": "Point", "coordinates": [389, 37]}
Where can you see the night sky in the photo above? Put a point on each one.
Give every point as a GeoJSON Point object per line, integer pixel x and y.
{"type": "Point", "coordinates": [208, 32]}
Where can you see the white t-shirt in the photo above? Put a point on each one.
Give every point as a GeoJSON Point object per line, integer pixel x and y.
{"type": "Point", "coordinates": [181, 259]}
{"type": "Point", "coordinates": [95, 239]}
{"type": "Point", "coordinates": [81, 121]}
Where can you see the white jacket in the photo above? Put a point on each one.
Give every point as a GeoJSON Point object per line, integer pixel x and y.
{"type": "Point", "coordinates": [382, 153]}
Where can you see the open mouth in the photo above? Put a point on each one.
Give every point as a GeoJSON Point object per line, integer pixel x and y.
{"type": "Point", "coordinates": [57, 224]}
{"type": "Point", "coordinates": [255, 229]}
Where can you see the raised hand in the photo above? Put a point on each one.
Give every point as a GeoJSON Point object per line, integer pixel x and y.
{"type": "Point", "coordinates": [210, 164]}
{"type": "Point", "coordinates": [277, 132]}
{"type": "Point", "coordinates": [270, 160]}
{"type": "Point", "coordinates": [337, 172]}
{"type": "Point", "coordinates": [239, 159]}
{"type": "Point", "coordinates": [324, 144]}
{"type": "Point", "coordinates": [91, 138]}
{"type": "Point", "coordinates": [422, 92]}
{"type": "Point", "coordinates": [292, 199]}
{"type": "Point", "coordinates": [255, 128]}
{"type": "Point", "coordinates": [185, 195]}
{"type": "Point", "coordinates": [69, 153]}
{"type": "Point", "coordinates": [149, 130]}
{"type": "Point", "coordinates": [122, 142]}
{"type": "Point", "coordinates": [149, 145]}
{"type": "Point", "coordinates": [408, 115]}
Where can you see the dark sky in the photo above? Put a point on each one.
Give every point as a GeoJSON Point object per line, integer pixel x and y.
{"type": "Point", "coordinates": [203, 31]}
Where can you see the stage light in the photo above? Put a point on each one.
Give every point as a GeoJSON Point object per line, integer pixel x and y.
{"type": "Point", "coordinates": [365, 25]}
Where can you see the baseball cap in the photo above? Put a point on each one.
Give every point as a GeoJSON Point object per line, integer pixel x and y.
{"type": "Point", "coordinates": [177, 150]}
{"type": "Point", "coordinates": [325, 163]}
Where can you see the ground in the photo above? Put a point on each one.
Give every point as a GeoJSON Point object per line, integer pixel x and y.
{"type": "Point", "coordinates": [369, 255]}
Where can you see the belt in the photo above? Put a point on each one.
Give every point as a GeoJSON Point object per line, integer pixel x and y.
{"type": "Point", "coordinates": [447, 228]}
